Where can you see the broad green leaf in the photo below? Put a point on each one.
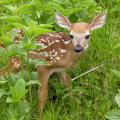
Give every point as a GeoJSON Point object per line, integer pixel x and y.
{"type": "Point", "coordinates": [117, 73]}
{"type": "Point", "coordinates": [19, 25]}
{"type": "Point", "coordinates": [37, 31]}
{"type": "Point", "coordinates": [9, 100]}
{"type": "Point", "coordinates": [7, 1]}
{"type": "Point", "coordinates": [23, 109]}
{"type": "Point", "coordinates": [32, 82]}
{"type": "Point", "coordinates": [115, 8]}
{"type": "Point", "coordinates": [11, 8]}
{"type": "Point", "coordinates": [6, 39]}
{"type": "Point", "coordinates": [10, 18]}
{"type": "Point", "coordinates": [113, 114]}
{"type": "Point", "coordinates": [25, 8]}
{"type": "Point", "coordinates": [37, 62]}
{"type": "Point", "coordinates": [77, 100]}
{"type": "Point", "coordinates": [29, 46]}
{"type": "Point", "coordinates": [117, 99]}
{"type": "Point", "coordinates": [3, 82]}
{"type": "Point", "coordinates": [3, 92]}
{"type": "Point", "coordinates": [18, 91]}
{"type": "Point", "coordinates": [45, 26]}
{"type": "Point", "coordinates": [16, 51]}
{"type": "Point", "coordinates": [117, 46]}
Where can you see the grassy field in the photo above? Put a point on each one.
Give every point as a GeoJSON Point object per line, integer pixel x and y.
{"type": "Point", "coordinates": [93, 93]}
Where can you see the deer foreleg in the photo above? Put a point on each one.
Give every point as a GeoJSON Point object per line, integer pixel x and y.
{"type": "Point", "coordinates": [43, 88]}
{"type": "Point", "coordinates": [66, 80]}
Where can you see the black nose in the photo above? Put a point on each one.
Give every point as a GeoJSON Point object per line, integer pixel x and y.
{"type": "Point", "coordinates": [79, 48]}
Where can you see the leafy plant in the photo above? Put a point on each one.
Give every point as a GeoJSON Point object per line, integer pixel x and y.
{"type": "Point", "coordinates": [92, 93]}
{"type": "Point", "coordinates": [17, 92]}
{"type": "Point", "coordinates": [115, 113]}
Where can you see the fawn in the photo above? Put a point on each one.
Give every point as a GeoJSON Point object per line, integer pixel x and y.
{"type": "Point", "coordinates": [61, 50]}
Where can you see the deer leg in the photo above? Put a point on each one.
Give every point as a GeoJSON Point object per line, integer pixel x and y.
{"type": "Point", "coordinates": [43, 93]}
{"type": "Point", "coordinates": [65, 79]}
{"type": "Point", "coordinates": [43, 88]}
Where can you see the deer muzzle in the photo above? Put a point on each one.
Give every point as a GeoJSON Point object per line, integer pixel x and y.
{"type": "Point", "coordinates": [78, 48]}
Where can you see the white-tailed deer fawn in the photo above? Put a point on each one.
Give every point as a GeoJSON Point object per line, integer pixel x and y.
{"type": "Point", "coordinates": [61, 50]}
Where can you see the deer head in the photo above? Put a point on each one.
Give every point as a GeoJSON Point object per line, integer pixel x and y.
{"type": "Point", "coordinates": [80, 32]}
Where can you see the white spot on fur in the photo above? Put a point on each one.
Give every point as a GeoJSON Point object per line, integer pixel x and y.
{"type": "Point", "coordinates": [66, 42]}
{"type": "Point", "coordinates": [58, 36]}
{"type": "Point", "coordinates": [44, 54]}
{"type": "Point", "coordinates": [57, 58]}
{"type": "Point", "coordinates": [50, 52]}
{"type": "Point", "coordinates": [43, 40]}
{"type": "Point", "coordinates": [17, 65]}
{"type": "Point", "coordinates": [53, 50]}
{"type": "Point", "coordinates": [20, 37]}
{"type": "Point", "coordinates": [51, 34]}
{"type": "Point", "coordinates": [56, 53]}
{"type": "Point", "coordinates": [63, 51]}
{"type": "Point", "coordinates": [51, 57]}
{"type": "Point", "coordinates": [49, 44]}
{"type": "Point", "coordinates": [33, 52]}
{"type": "Point", "coordinates": [42, 45]}
{"type": "Point", "coordinates": [57, 41]}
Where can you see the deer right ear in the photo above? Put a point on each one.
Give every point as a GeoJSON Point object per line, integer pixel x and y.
{"type": "Point", "coordinates": [98, 21]}
{"type": "Point", "coordinates": [63, 21]}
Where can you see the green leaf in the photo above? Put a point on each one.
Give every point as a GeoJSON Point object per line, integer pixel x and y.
{"type": "Point", "coordinates": [6, 39]}
{"type": "Point", "coordinates": [117, 73]}
{"type": "Point", "coordinates": [3, 92]}
{"type": "Point", "coordinates": [117, 99]}
{"type": "Point", "coordinates": [16, 51]}
{"type": "Point", "coordinates": [45, 26]}
{"type": "Point", "coordinates": [9, 100]}
{"type": "Point", "coordinates": [115, 8]}
{"type": "Point", "coordinates": [11, 8]}
{"type": "Point", "coordinates": [19, 25]}
{"type": "Point", "coordinates": [25, 8]}
{"type": "Point", "coordinates": [3, 82]}
{"type": "Point", "coordinates": [23, 109]}
{"type": "Point", "coordinates": [35, 31]}
{"type": "Point", "coordinates": [18, 91]}
{"type": "Point", "coordinates": [113, 114]}
{"type": "Point", "coordinates": [32, 82]}
{"type": "Point", "coordinates": [10, 18]}
{"type": "Point", "coordinates": [37, 62]}
{"type": "Point", "coordinates": [117, 46]}
{"type": "Point", "coordinates": [77, 100]}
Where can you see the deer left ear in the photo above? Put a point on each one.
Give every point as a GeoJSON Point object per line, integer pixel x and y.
{"type": "Point", "coordinates": [98, 21]}
{"type": "Point", "coordinates": [63, 21]}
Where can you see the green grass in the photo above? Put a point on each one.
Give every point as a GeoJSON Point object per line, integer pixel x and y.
{"type": "Point", "coordinates": [93, 93]}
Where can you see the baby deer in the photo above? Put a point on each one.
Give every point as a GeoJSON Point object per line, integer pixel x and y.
{"type": "Point", "coordinates": [61, 50]}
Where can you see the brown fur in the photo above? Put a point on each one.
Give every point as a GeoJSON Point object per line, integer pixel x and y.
{"type": "Point", "coordinates": [80, 27]}
{"type": "Point", "coordinates": [58, 50]}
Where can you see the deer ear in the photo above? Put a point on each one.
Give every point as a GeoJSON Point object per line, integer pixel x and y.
{"type": "Point", "coordinates": [98, 21]}
{"type": "Point", "coordinates": [63, 21]}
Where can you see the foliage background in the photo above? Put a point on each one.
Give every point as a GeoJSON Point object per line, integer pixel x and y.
{"type": "Point", "coordinates": [93, 93]}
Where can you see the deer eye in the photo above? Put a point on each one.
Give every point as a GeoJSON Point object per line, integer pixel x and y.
{"type": "Point", "coordinates": [71, 36]}
{"type": "Point", "coordinates": [87, 36]}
